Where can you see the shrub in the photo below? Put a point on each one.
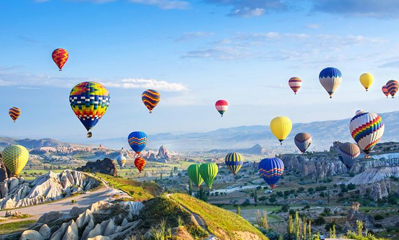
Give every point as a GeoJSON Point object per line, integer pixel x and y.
{"type": "Point", "coordinates": [378, 217]}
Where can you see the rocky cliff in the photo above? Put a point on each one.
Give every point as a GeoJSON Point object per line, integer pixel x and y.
{"type": "Point", "coordinates": [106, 166]}
{"type": "Point", "coordinates": [16, 192]}
{"type": "Point", "coordinates": [163, 153]}
{"type": "Point", "coordinates": [373, 175]}
{"type": "Point", "coordinates": [362, 165]}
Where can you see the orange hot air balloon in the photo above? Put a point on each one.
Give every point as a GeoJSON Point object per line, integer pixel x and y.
{"type": "Point", "coordinates": [60, 57]}
{"type": "Point", "coordinates": [385, 90]}
{"type": "Point", "coordinates": [140, 163]}
{"type": "Point", "coordinates": [14, 113]}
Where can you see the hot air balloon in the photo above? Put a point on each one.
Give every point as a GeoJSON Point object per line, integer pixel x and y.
{"type": "Point", "coordinates": [221, 106]}
{"type": "Point", "coordinates": [121, 160]}
{"type": "Point", "coordinates": [366, 79]}
{"type": "Point", "coordinates": [366, 129]}
{"type": "Point", "coordinates": [234, 162]}
{"type": "Point", "coordinates": [281, 127]}
{"type": "Point", "coordinates": [392, 86]}
{"type": "Point", "coordinates": [194, 174]}
{"type": "Point", "coordinates": [295, 84]}
{"type": "Point", "coordinates": [303, 141]}
{"type": "Point", "coordinates": [348, 153]}
{"type": "Point", "coordinates": [60, 57]}
{"type": "Point", "coordinates": [150, 99]}
{"type": "Point", "coordinates": [89, 102]}
{"type": "Point", "coordinates": [330, 78]}
{"type": "Point", "coordinates": [359, 112]}
{"type": "Point", "coordinates": [15, 158]}
{"type": "Point", "coordinates": [14, 113]}
{"type": "Point", "coordinates": [385, 90]}
{"type": "Point", "coordinates": [271, 169]}
{"type": "Point", "coordinates": [137, 141]}
{"type": "Point", "coordinates": [208, 172]}
{"type": "Point", "coordinates": [140, 163]}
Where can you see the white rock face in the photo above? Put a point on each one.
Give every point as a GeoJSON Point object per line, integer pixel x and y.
{"type": "Point", "coordinates": [16, 192]}
{"type": "Point", "coordinates": [31, 235]}
{"type": "Point", "coordinates": [45, 231]}
{"type": "Point", "coordinates": [373, 175]}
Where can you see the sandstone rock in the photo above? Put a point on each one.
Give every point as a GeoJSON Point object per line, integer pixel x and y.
{"type": "Point", "coordinates": [163, 153]}
{"type": "Point", "coordinates": [31, 235]}
{"type": "Point", "coordinates": [100, 238]}
{"type": "Point", "coordinates": [45, 231]}
{"type": "Point", "coordinates": [76, 211]}
{"type": "Point", "coordinates": [59, 234]}
{"type": "Point", "coordinates": [97, 230]}
{"type": "Point", "coordinates": [71, 232]}
{"type": "Point", "coordinates": [12, 183]}
{"type": "Point", "coordinates": [373, 175]}
{"type": "Point", "coordinates": [109, 229]}
{"type": "Point", "coordinates": [354, 215]}
{"type": "Point", "coordinates": [106, 166]}
{"type": "Point", "coordinates": [13, 214]}
{"type": "Point", "coordinates": [88, 229]}
{"type": "Point", "coordinates": [50, 217]}
{"type": "Point", "coordinates": [84, 218]}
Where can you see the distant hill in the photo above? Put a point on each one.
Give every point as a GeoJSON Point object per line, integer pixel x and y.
{"type": "Point", "coordinates": [34, 143]}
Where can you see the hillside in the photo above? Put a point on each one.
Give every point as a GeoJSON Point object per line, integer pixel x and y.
{"type": "Point", "coordinates": [35, 143]}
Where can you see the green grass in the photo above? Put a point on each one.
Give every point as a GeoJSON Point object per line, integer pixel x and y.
{"type": "Point", "coordinates": [220, 222]}
{"type": "Point", "coordinates": [15, 226]}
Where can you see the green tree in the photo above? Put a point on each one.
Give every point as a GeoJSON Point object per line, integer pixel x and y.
{"type": "Point", "coordinates": [239, 210]}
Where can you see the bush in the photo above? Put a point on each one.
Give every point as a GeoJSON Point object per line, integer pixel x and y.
{"type": "Point", "coordinates": [319, 221]}
{"type": "Point", "coordinates": [285, 208]}
{"type": "Point", "coordinates": [378, 217]}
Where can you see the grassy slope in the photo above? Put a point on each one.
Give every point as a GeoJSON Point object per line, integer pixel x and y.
{"type": "Point", "coordinates": [217, 219]}
{"type": "Point", "coordinates": [15, 226]}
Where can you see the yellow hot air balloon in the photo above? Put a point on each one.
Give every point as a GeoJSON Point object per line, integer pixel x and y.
{"type": "Point", "coordinates": [15, 158]}
{"type": "Point", "coordinates": [281, 127]}
{"type": "Point", "coordinates": [366, 79]}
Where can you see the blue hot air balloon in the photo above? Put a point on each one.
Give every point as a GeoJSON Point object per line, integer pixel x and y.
{"type": "Point", "coordinates": [137, 141]}
{"type": "Point", "coordinates": [271, 169]}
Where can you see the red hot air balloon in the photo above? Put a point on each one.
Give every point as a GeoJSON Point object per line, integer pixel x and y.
{"type": "Point", "coordinates": [60, 57]}
{"type": "Point", "coordinates": [295, 84]}
{"type": "Point", "coordinates": [385, 90]}
{"type": "Point", "coordinates": [221, 106]}
{"type": "Point", "coordinates": [140, 163]}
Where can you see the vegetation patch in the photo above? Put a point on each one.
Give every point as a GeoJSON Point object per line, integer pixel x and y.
{"type": "Point", "coordinates": [15, 226]}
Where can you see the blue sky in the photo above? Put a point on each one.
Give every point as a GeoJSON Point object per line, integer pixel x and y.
{"type": "Point", "coordinates": [194, 53]}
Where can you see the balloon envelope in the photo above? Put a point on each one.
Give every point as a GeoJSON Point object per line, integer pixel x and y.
{"type": "Point", "coordinates": [150, 99]}
{"type": "Point", "coordinates": [330, 78]}
{"type": "Point", "coordinates": [208, 172]}
{"type": "Point", "coordinates": [358, 112]}
{"type": "Point", "coordinates": [271, 169]}
{"type": "Point", "coordinates": [194, 174]}
{"type": "Point", "coordinates": [348, 153]}
{"type": "Point", "coordinates": [121, 160]}
{"type": "Point", "coordinates": [392, 86]}
{"type": "Point", "coordinates": [385, 90]}
{"type": "Point", "coordinates": [221, 106]}
{"type": "Point", "coordinates": [14, 113]}
{"type": "Point", "coordinates": [234, 162]}
{"type": "Point", "coordinates": [15, 158]}
{"type": "Point", "coordinates": [366, 79]}
{"type": "Point", "coordinates": [137, 141]}
{"type": "Point", "coordinates": [295, 84]}
{"type": "Point", "coordinates": [303, 141]}
{"type": "Point", "coordinates": [140, 163]}
{"type": "Point", "coordinates": [60, 57]}
{"type": "Point", "coordinates": [281, 127]}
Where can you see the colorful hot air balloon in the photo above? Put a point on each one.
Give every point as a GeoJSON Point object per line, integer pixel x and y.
{"type": "Point", "coordinates": [366, 129]}
{"type": "Point", "coordinates": [60, 57]}
{"type": "Point", "coordinates": [271, 169]}
{"type": "Point", "coordinates": [121, 160]}
{"type": "Point", "coordinates": [392, 86]}
{"type": "Point", "coordinates": [221, 106]}
{"type": "Point", "coordinates": [366, 79]}
{"type": "Point", "coordinates": [330, 78]}
{"type": "Point", "coordinates": [137, 141]}
{"type": "Point", "coordinates": [15, 158]}
{"type": "Point", "coordinates": [14, 113]}
{"type": "Point", "coordinates": [303, 141]}
{"type": "Point", "coordinates": [295, 84]}
{"type": "Point", "coordinates": [234, 162]}
{"type": "Point", "coordinates": [348, 153]}
{"type": "Point", "coordinates": [150, 99]}
{"type": "Point", "coordinates": [385, 90]}
{"type": "Point", "coordinates": [281, 127]}
{"type": "Point", "coordinates": [359, 112]}
{"type": "Point", "coordinates": [208, 172]}
{"type": "Point", "coordinates": [140, 163]}
{"type": "Point", "coordinates": [89, 102]}
{"type": "Point", "coordinates": [194, 174]}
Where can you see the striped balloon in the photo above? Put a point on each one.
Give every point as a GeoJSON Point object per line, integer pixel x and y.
{"type": "Point", "coordinates": [137, 141]}
{"type": "Point", "coordinates": [367, 130]}
{"type": "Point", "coordinates": [385, 90]}
{"type": "Point", "coordinates": [14, 113]}
{"type": "Point", "coordinates": [140, 163]}
{"type": "Point", "coordinates": [150, 99]}
{"type": "Point", "coordinates": [208, 172]}
{"type": "Point", "coordinates": [303, 141]}
{"type": "Point", "coordinates": [295, 84]}
{"type": "Point", "coordinates": [60, 57]}
{"type": "Point", "coordinates": [392, 86]}
{"type": "Point", "coordinates": [194, 174]}
{"type": "Point", "coordinates": [15, 157]}
{"type": "Point", "coordinates": [348, 153]}
{"type": "Point", "coordinates": [221, 106]}
{"type": "Point", "coordinates": [271, 169]}
{"type": "Point", "coordinates": [234, 162]}
{"type": "Point", "coordinates": [330, 78]}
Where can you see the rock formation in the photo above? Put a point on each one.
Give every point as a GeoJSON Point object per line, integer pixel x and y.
{"type": "Point", "coordinates": [354, 215]}
{"type": "Point", "coordinates": [106, 166]}
{"type": "Point", "coordinates": [16, 192]}
{"type": "Point", "coordinates": [163, 153]}
{"type": "Point", "coordinates": [373, 175]}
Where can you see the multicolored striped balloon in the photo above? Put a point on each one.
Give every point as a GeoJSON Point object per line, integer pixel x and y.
{"type": "Point", "coordinates": [271, 169]}
{"type": "Point", "coordinates": [60, 57]}
{"type": "Point", "coordinates": [15, 157]}
{"type": "Point", "coordinates": [348, 153]}
{"type": "Point", "coordinates": [137, 141]}
{"type": "Point", "coordinates": [89, 101]}
{"type": "Point", "coordinates": [295, 84]}
{"type": "Point", "coordinates": [150, 99]}
{"type": "Point", "coordinates": [140, 163]}
{"type": "Point", "coordinates": [14, 113]}
{"type": "Point", "coordinates": [221, 106]}
{"type": "Point", "coordinates": [367, 130]}
{"type": "Point", "coordinates": [392, 86]}
{"type": "Point", "coordinates": [330, 78]}
{"type": "Point", "coordinates": [303, 141]}
{"type": "Point", "coordinates": [234, 162]}
{"type": "Point", "coordinates": [385, 90]}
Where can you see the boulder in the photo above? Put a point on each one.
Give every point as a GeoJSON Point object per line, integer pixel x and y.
{"type": "Point", "coordinates": [13, 214]}
{"type": "Point", "coordinates": [76, 211]}
{"type": "Point", "coordinates": [31, 235]}
{"type": "Point", "coordinates": [45, 231]}
{"type": "Point", "coordinates": [106, 166]}
{"type": "Point", "coordinates": [50, 217]}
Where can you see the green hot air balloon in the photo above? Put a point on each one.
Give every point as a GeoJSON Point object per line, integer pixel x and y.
{"type": "Point", "coordinates": [208, 172]}
{"type": "Point", "coordinates": [194, 174]}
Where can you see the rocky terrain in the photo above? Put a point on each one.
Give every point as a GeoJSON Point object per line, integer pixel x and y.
{"type": "Point", "coordinates": [375, 174]}
{"type": "Point", "coordinates": [16, 192]}
{"type": "Point", "coordinates": [106, 166]}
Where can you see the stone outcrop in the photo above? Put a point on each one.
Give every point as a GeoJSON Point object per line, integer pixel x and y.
{"type": "Point", "coordinates": [163, 153]}
{"type": "Point", "coordinates": [106, 166]}
{"type": "Point", "coordinates": [354, 215]}
{"type": "Point", "coordinates": [373, 175]}
{"type": "Point", "coordinates": [16, 192]}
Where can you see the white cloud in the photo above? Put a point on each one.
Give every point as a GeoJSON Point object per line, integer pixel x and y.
{"type": "Point", "coordinates": [147, 83]}
{"type": "Point", "coordinates": [164, 4]}
{"type": "Point", "coordinates": [313, 26]}
{"type": "Point", "coordinates": [193, 35]}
